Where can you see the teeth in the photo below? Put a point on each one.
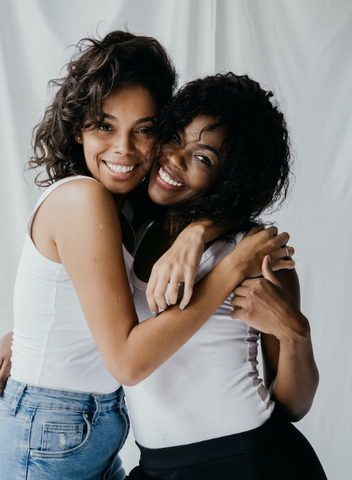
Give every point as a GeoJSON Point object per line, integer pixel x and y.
{"type": "Point", "coordinates": [169, 180]}
{"type": "Point", "coordinates": [120, 168]}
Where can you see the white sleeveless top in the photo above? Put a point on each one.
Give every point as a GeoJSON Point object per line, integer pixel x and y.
{"type": "Point", "coordinates": [210, 387]}
{"type": "Point", "coordinates": [52, 344]}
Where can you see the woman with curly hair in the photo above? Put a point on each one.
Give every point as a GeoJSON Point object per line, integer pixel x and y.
{"type": "Point", "coordinates": [206, 414]}
{"type": "Point", "coordinates": [76, 335]}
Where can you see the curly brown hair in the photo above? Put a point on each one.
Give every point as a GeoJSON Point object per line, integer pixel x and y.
{"type": "Point", "coordinates": [97, 68]}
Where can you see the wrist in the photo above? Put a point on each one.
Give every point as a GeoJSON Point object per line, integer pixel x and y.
{"type": "Point", "coordinates": [296, 332]}
{"type": "Point", "coordinates": [195, 230]}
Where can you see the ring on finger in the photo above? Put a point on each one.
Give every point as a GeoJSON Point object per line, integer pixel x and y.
{"type": "Point", "coordinates": [174, 284]}
{"type": "Point", "coordinates": [287, 251]}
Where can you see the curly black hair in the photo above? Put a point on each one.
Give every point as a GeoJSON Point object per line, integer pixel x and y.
{"type": "Point", "coordinates": [255, 160]}
{"type": "Point", "coordinates": [98, 67]}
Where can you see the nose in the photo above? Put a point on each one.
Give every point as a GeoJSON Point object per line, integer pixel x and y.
{"type": "Point", "coordinates": [123, 144]}
{"type": "Point", "coordinates": [177, 158]}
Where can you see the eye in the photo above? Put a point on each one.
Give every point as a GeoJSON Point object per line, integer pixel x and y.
{"type": "Point", "coordinates": [105, 127]}
{"type": "Point", "coordinates": [145, 130]}
{"type": "Point", "coordinates": [176, 138]}
{"type": "Point", "coordinates": [204, 159]}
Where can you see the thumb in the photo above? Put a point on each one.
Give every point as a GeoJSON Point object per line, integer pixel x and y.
{"type": "Point", "coordinates": [268, 274]}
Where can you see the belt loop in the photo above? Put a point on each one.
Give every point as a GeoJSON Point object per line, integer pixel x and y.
{"type": "Point", "coordinates": [97, 409]}
{"type": "Point", "coordinates": [121, 398]}
{"type": "Point", "coordinates": [17, 397]}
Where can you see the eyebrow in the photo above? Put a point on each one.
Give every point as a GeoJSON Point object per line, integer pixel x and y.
{"type": "Point", "coordinates": [202, 145]}
{"type": "Point", "coordinates": [137, 122]}
{"type": "Point", "coordinates": [211, 149]}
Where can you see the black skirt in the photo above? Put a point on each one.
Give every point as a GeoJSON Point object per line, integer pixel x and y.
{"type": "Point", "coordinates": [273, 451]}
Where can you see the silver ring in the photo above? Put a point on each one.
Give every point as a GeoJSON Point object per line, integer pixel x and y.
{"type": "Point", "coordinates": [174, 284]}
{"type": "Point", "coordinates": [287, 252]}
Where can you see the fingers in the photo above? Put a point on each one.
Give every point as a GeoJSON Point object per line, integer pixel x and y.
{"type": "Point", "coordinates": [172, 292]}
{"type": "Point", "coordinates": [238, 305]}
{"type": "Point", "coordinates": [268, 274]}
{"type": "Point", "coordinates": [150, 295]}
{"type": "Point", "coordinates": [171, 280]}
{"type": "Point", "coordinates": [282, 238]}
{"type": "Point", "coordinates": [273, 231]}
{"type": "Point", "coordinates": [288, 251]}
{"type": "Point", "coordinates": [4, 374]}
{"type": "Point", "coordinates": [187, 290]}
{"type": "Point", "coordinates": [240, 291]}
{"type": "Point", "coordinates": [282, 258]}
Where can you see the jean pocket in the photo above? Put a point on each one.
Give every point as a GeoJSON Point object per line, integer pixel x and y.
{"type": "Point", "coordinates": [60, 440]}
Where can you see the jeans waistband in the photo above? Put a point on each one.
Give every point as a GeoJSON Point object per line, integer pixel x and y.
{"type": "Point", "coordinates": [210, 450]}
{"type": "Point", "coordinates": [18, 393]}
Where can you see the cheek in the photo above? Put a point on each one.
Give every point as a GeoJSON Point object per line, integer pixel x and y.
{"type": "Point", "coordinates": [146, 152]}
{"type": "Point", "coordinates": [202, 180]}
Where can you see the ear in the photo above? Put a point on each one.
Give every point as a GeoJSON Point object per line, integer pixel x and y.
{"type": "Point", "coordinates": [78, 138]}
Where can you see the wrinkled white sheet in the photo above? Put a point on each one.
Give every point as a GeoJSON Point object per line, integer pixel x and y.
{"type": "Point", "coordinates": [301, 49]}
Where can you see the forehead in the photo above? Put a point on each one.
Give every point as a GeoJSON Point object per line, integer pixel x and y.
{"type": "Point", "coordinates": [130, 97]}
{"type": "Point", "coordinates": [196, 133]}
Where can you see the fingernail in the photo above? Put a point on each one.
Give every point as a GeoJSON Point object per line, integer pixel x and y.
{"type": "Point", "coordinates": [182, 307]}
{"type": "Point", "coordinates": [155, 314]}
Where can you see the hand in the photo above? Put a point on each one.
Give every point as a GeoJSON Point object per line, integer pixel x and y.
{"type": "Point", "coordinates": [178, 265]}
{"type": "Point", "coordinates": [5, 359]}
{"type": "Point", "coordinates": [264, 304]}
{"type": "Point", "coordinates": [250, 252]}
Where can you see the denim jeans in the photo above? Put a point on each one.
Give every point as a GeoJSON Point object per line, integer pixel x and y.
{"type": "Point", "coordinates": [61, 435]}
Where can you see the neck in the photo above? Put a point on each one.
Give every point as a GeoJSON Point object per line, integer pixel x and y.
{"type": "Point", "coordinates": [170, 227]}
{"type": "Point", "coordinates": [119, 201]}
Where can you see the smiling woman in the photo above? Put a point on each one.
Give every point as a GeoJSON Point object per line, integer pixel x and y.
{"type": "Point", "coordinates": [116, 148]}
{"type": "Point", "coordinates": [189, 163]}
{"type": "Point", "coordinates": [224, 156]}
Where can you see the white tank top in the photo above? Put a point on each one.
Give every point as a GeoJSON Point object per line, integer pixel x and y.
{"type": "Point", "coordinates": [210, 387]}
{"type": "Point", "coordinates": [52, 344]}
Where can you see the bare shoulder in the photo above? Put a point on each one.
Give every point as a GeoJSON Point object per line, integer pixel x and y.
{"type": "Point", "coordinates": [77, 197]}
{"type": "Point", "coordinates": [72, 210]}
{"type": "Point", "coordinates": [79, 191]}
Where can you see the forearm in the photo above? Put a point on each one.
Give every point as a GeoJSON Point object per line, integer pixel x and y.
{"type": "Point", "coordinates": [204, 230]}
{"type": "Point", "coordinates": [150, 343]}
{"type": "Point", "coordinates": [297, 376]}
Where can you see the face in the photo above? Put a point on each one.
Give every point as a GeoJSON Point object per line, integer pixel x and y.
{"type": "Point", "coordinates": [188, 164]}
{"type": "Point", "coordinates": [115, 150]}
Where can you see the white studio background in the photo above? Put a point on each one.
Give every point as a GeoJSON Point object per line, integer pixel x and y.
{"type": "Point", "coordinates": [301, 49]}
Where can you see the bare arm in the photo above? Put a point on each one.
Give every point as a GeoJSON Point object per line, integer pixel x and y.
{"type": "Point", "coordinates": [272, 306]}
{"type": "Point", "coordinates": [5, 359]}
{"type": "Point", "coordinates": [180, 263]}
{"type": "Point", "coordinates": [79, 220]}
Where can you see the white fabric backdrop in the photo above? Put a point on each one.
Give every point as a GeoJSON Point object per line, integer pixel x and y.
{"type": "Point", "coordinates": [301, 49]}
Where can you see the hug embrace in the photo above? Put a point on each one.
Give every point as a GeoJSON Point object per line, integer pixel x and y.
{"type": "Point", "coordinates": [146, 277]}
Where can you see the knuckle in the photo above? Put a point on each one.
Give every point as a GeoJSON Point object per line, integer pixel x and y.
{"type": "Point", "coordinates": [149, 292]}
{"type": "Point", "coordinates": [159, 296]}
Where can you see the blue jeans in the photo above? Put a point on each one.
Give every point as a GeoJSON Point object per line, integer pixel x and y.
{"type": "Point", "coordinates": [61, 435]}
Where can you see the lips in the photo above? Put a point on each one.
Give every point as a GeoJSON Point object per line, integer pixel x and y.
{"type": "Point", "coordinates": [170, 178]}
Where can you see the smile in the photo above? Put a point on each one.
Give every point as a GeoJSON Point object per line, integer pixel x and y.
{"type": "Point", "coordinates": [120, 168]}
{"type": "Point", "coordinates": [167, 179]}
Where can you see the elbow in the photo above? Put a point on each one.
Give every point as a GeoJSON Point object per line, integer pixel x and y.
{"type": "Point", "coordinates": [295, 413]}
{"type": "Point", "coordinates": [129, 380]}
{"type": "Point", "coordinates": [298, 415]}
{"type": "Point", "coordinates": [130, 375]}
